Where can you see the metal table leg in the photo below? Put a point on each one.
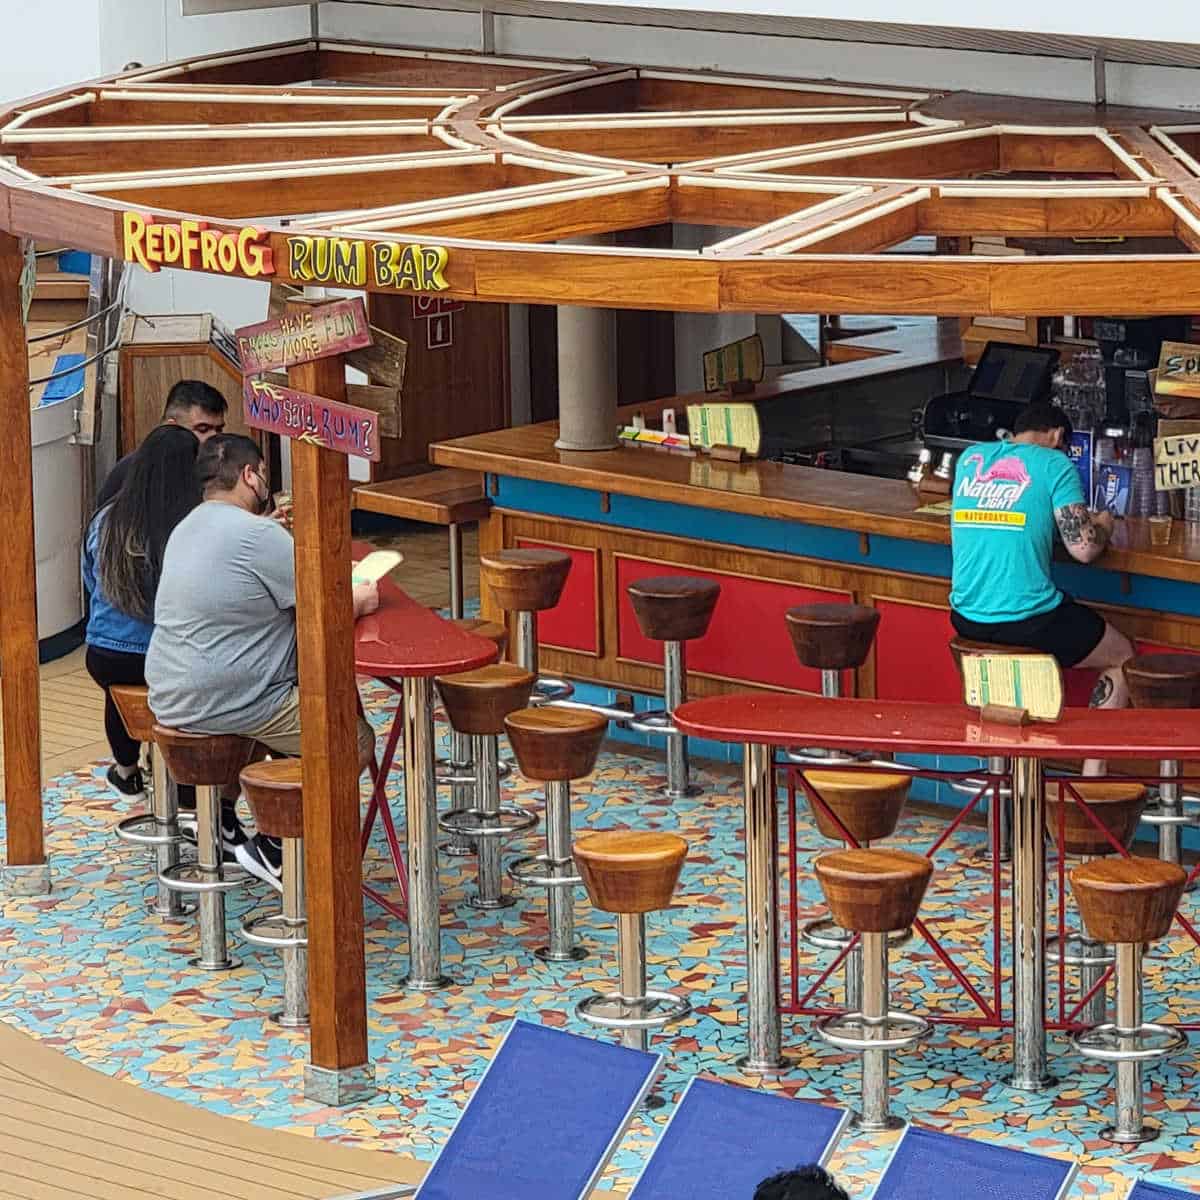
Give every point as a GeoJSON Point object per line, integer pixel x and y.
{"type": "Point", "coordinates": [420, 795]}
{"type": "Point", "coordinates": [1029, 926]}
{"type": "Point", "coordinates": [763, 1037]}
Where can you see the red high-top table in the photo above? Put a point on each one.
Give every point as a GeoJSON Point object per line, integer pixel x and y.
{"type": "Point", "coordinates": [404, 645]}
{"type": "Point", "coordinates": [761, 721]}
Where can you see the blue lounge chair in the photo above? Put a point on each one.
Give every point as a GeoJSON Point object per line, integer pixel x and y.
{"type": "Point", "coordinates": [723, 1140]}
{"type": "Point", "coordinates": [928, 1164]}
{"type": "Point", "coordinates": [542, 1122]}
{"type": "Point", "coordinates": [1142, 1190]}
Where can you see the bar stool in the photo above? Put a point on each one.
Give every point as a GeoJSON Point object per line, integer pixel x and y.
{"type": "Point", "coordinates": [631, 874]}
{"type": "Point", "coordinates": [999, 815]}
{"type": "Point", "coordinates": [526, 582]}
{"type": "Point", "coordinates": [274, 791]}
{"type": "Point", "coordinates": [556, 746]}
{"type": "Point", "coordinates": [210, 763]}
{"type": "Point", "coordinates": [159, 828]}
{"type": "Point", "coordinates": [1127, 902]}
{"type": "Point", "coordinates": [830, 638]}
{"type": "Point", "coordinates": [1117, 806]}
{"type": "Point", "coordinates": [874, 893]}
{"type": "Point", "coordinates": [458, 771]}
{"type": "Point", "coordinates": [476, 704]}
{"type": "Point", "coordinates": [867, 806]}
{"type": "Point", "coordinates": [1165, 681]}
{"type": "Point", "coordinates": [673, 610]}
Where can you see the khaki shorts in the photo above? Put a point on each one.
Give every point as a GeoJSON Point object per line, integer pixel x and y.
{"type": "Point", "coordinates": [282, 732]}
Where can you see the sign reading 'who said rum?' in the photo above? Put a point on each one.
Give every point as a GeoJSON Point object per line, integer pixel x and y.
{"type": "Point", "coordinates": [308, 418]}
{"type": "Point", "coordinates": [320, 331]}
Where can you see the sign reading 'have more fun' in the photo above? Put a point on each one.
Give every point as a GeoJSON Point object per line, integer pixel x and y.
{"type": "Point", "coordinates": [320, 331]}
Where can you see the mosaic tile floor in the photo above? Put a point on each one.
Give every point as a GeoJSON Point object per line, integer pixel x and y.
{"type": "Point", "coordinates": [88, 971]}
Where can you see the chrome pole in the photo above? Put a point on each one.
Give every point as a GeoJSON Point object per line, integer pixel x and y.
{"type": "Point", "coordinates": [295, 958]}
{"type": "Point", "coordinates": [456, 572]}
{"type": "Point", "coordinates": [527, 647]}
{"type": "Point", "coordinates": [763, 1036]}
{"type": "Point", "coordinates": [631, 950]}
{"type": "Point", "coordinates": [675, 694]}
{"type": "Point", "coordinates": [1095, 1012]}
{"type": "Point", "coordinates": [1129, 1126]}
{"type": "Point", "coordinates": [875, 1114]}
{"type": "Point", "coordinates": [1029, 926]}
{"type": "Point", "coordinates": [853, 968]}
{"type": "Point", "coordinates": [461, 794]}
{"type": "Point", "coordinates": [1000, 812]}
{"type": "Point", "coordinates": [560, 901]}
{"type": "Point", "coordinates": [168, 903]}
{"type": "Point", "coordinates": [420, 802]}
{"type": "Point", "coordinates": [1170, 805]}
{"type": "Point", "coordinates": [214, 949]}
{"type": "Point", "coordinates": [487, 849]}
{"type": "Point", "coordinates": [831, 684]}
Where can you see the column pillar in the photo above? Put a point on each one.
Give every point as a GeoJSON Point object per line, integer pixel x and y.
{"type": "Point", "coordinates": [587, 374]}
{"type": "Point", "coordinates": [26, 871]}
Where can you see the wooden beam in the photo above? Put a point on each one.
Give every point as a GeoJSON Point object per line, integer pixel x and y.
{"type": "Point", "coordinates": [328, 717]}
{"type": "Point", "coordinates": [20, 684]}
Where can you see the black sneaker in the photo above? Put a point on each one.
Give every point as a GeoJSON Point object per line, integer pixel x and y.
{"type": "Point", "coordinates": [233, 836]}
{"type": "Point", "coordinates": [131, 785]}
{"type": "Point", "coordinates": [262, 857]}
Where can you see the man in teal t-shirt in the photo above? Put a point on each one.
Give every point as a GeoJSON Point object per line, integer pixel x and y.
{"type": "Point", "coordinates": [1009, 497]}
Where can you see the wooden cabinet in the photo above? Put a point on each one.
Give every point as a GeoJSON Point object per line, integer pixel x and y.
{"type": "Point", "coordinates": [156, 353]}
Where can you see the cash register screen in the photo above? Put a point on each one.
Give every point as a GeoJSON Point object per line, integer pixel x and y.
{"type": "Point", "coordinates": [1008, 372]}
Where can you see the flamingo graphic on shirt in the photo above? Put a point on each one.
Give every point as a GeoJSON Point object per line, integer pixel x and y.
{"type": "Point", "coordinates": [1000, 487]}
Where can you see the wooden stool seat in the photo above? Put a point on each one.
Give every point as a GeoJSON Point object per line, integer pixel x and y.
{"type": "Point", "coordinates": [832, 637]}
{"type": "Point", "coordinates": [204, 759]}
{"type": "Point", "coordinates": [1118, 806]}
{"type": "Point", "coordinates": [476, 702]}
{"type": "Point", "coordinates": [274, 791]}
{"type": "Point", "coordinates": [525, 580]}
{"type": "Point", "coordinates": [630, 872]}
{"type": "Point", "coordinates": [1127, 900]}
{"type": "Point", "coordinates": [873, 891]}
{"type": "Point", "coordinates": [555, 744]}
{"type": "Point", "coordinates": [961, 646]}
{"type": "Point", "coordinates": [1163, 680]}
{"type": "Point", "coordinates": [868, 803]}
{"type": "Point", "coordinates": [134, 706]}
{"type": "Point", "coordinates": [491, 630]}
{"type": "Point", "coordinates": [674, 608]}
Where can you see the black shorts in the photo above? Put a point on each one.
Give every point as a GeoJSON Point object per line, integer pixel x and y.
{"type": "Point", "coordinates": [1070, 632]}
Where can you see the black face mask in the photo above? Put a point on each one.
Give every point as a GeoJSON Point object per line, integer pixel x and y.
{"type": "Point", "coordinates": [264, 501]}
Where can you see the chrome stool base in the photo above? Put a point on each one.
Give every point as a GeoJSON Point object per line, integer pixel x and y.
{"type": "Point", "coordinates": [488, 904]}
{"type": "Point", "coordinates": [854, 1031]}
{"type": "Point", "coordinates": [1080, 952]}
{"type": "Point", "coordinates": [284, 1021]}
{"type": "Point", "coordinates": [548, 955]}
{"type": "Point", "coordinates": [653, 1010]}
{"type": "Point", "coordinates": [547, 691]}
{"type": "Point", "coordinates": [228, 963]}
{"type": "Point", "coordinates": [193, 879]}
{"type": "Point", "coordinates": [438, 984]}
{"type": "Point", "coordinates": [1108, 1043]}
{"type": "Point", "coordinates": [145, 829]}
{"type": "Point", "coordinates": [475, 822]}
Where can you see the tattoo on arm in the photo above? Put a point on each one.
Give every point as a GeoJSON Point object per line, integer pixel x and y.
{"type": "Point", "coordinates": [1079, 531]}
{"type": "Point", "coordinates": [1102, 692]}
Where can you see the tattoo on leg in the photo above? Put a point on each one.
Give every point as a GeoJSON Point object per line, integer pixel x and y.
{"type": "Point", "coordinates": [1102, 692]}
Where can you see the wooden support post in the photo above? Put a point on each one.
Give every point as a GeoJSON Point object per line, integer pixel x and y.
{"type": "Point", "coordinates": [26, 857]}
{"type": "Point", "coordinates": [339, 1072]}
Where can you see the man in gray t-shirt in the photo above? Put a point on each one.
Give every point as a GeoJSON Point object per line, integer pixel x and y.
{"type": "Point", "coordinates": [222, 658]}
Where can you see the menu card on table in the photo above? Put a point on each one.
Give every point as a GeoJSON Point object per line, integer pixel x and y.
{"type": "Point", "coordinates": [1014, 682]}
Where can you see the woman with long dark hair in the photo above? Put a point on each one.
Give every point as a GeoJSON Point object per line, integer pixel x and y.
{"type": "Point", "coordinates": [122, 563]}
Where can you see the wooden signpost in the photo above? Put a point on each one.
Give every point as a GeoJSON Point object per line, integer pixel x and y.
{"type": "Point", "coordinates": [311, 339]}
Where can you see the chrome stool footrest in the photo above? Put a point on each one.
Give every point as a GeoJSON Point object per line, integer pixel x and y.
{"type": "Point", "coordinates": [1077, 952]}
{"type": "Point", "coordinates": [145, 829]}
{"type": "Point", "coordinates": [823, 932]}
{"type": "Point", "coordinates": [547, 690]}
{"type": "Point", "coordinates": [1107, 1043]}
{"type": "Point", "coordinates": [448, 775]}
{"type": "Point", "coordinates": [804, 756]}
{"type": "Point", "coordinates": [613, 1011]}
{"type": "Point", "coordinates": [853, 1031]}
{"type": "Point", "coordinates": [1154, 815]}
{"type": "Point", "coordinates": [532, 871]}
{"type": "Point", "coordinates": [275, 931]}
{"type": "Point", "coordinates": [474, 822]}
{"type": "Point", "coordinates": [976, 784]}
{"type": "Point", "coordinates": [653, 720]}
{"type": "Point", "coordinates": [190, 877]}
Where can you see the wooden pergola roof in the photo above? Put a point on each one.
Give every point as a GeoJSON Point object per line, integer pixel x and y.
{"type": "Point", "coordinates": [498, 159]}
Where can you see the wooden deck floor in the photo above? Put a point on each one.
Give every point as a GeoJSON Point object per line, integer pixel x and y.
{"type": "Point", "coordinates": [69, 1133]}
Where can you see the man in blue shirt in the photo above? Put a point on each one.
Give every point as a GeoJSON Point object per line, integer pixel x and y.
{"type": "Point", "coordinates": [1009, 498]}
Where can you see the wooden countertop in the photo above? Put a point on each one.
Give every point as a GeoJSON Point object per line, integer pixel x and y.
{"type": "Point", "coordinates": [834, 499]}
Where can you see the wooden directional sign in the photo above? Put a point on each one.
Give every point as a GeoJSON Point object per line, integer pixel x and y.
{"type": "Point", "coordinates": [321, 331]}
{"type": "Point", "coordinates": [1178, 370]}
{"type": "Point", "coordinates": [313, 419]}
{"type": "Point", "coordinates": [1177, 462]}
